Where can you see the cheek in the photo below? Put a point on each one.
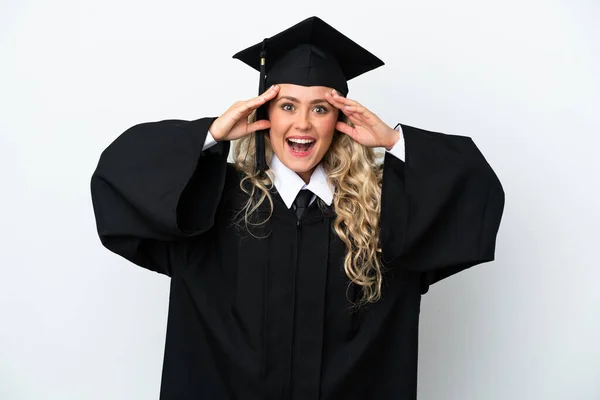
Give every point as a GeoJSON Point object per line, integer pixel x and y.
{"type": "Point", "coordinates": [327, 128]}
{"type": "Point", "coordinates": [279, 125]}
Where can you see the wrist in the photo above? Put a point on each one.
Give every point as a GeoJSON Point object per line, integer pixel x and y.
{"type": "Point", "coordinates": [211, 131]}
{"type": "Point", "coordinates": [394, 137]}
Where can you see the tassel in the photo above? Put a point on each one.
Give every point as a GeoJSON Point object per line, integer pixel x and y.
{"type": "Point", "coordinates": [261, 159]}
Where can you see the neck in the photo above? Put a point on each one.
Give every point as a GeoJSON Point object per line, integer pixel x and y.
{"type": "Point", "coordinates": [306, 175]}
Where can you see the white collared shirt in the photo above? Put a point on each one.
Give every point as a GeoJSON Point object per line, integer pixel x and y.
{"type": "Point", "coordinates": [289, 184]}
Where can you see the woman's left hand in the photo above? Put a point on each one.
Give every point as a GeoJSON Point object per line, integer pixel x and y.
{"type": "Point", "coordinates": [368, 129]}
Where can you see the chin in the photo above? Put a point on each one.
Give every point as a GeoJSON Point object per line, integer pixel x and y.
{"type": "Point", "coordinates": [299, 166]}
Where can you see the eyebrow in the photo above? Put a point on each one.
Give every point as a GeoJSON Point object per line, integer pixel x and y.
{"type": "Point", "coordinates": [290, 98]}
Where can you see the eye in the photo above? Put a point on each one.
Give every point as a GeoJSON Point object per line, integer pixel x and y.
{"type": "Point", "coordinates": [287, 107]}
{"type": "Point", "coordinates": [321, 109]}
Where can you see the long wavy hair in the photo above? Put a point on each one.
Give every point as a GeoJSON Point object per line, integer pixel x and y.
{"type": "Point", "coordinates": [356, 175]}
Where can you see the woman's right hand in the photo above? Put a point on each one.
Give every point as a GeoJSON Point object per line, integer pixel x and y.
{"type": "Point", "coordinates": [233, 124]}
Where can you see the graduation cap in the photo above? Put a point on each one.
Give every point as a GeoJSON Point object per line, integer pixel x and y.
{"type": "Point", "coordinates": [310, 53]}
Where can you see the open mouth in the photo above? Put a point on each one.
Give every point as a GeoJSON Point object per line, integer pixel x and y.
{"type": "Point", "coordinates": [300, 145]}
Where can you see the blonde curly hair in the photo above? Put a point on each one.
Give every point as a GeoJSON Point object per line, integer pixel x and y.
{"type": "Point", "coordinates": [356, 175]}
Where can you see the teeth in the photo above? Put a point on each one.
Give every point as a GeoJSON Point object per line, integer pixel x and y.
{"type": "Point", "coordinates": [301, 141]}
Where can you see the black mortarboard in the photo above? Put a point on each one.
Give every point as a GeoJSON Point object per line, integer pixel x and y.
{"type": "Point", "coordinates": [310, 53]}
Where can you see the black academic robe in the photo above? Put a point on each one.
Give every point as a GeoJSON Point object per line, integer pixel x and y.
{"type": "Point", "coordinates": [267, 315]}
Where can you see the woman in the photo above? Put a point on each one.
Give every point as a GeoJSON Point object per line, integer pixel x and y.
{"type": "Point", "coordinates": [297, 271]}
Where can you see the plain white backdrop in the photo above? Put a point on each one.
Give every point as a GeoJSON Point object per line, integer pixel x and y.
{"type": "Point", "coordinates": [520, 77]}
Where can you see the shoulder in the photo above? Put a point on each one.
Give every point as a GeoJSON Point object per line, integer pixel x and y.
{"type": "Point", "coordinates": [426, 144]}
{"type": "Point", "coordinates": [414, 133]}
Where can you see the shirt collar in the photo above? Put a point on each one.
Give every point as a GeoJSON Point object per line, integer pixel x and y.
{"type": "Point", "coordinates": [289, 184]}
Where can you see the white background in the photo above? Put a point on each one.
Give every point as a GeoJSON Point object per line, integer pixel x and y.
{"type": "Point", "coordinates": [520, 77]}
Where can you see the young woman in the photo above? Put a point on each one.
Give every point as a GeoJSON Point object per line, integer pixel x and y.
{"type": "Point", "coordinates": [297, 270]}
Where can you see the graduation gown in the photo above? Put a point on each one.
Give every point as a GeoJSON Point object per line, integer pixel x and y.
{"type": "Point", "coordinates": [267, 315]}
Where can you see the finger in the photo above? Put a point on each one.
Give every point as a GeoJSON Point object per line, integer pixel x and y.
{"type": "Point", "coordinates": [270, 92]}
{"type": "Point", "coordinates": [351, 113]}
{"type": "Point", "coordinates": [350, 104]}
{"type": "Point", "coordinates": [355, 118]}
{"type": "Point", "coordinates": [354, 115]}
{"type": "Point", "coordinates": [337, 97]}
{"type": "Point", "coordinates": [244, 108]}
{"type": "Point", "coordinates": [346, 109]}
{"type": "Point", "coordinates": [268, 95]}
{"type": "Point", "coordinates": [345, 128]}
{"type": "Point", "coordinates": [340, 106]}
{"type": "Point", "coordinates": [258, 126]}
{"type": "Point", "coordinates": [329, 97]}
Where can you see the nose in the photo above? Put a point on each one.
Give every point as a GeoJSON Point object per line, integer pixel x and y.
{"type": "Point", "coordinates": [302, 122]}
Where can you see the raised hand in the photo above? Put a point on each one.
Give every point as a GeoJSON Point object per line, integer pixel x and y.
{"type": "Point", "coordinates": [233, 124]}
{"type": "Point", "coordinates": [368, 129]}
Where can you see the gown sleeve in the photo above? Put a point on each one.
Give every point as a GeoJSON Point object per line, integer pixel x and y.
{"type": "Point", "coordinates": [440, 208]}
{"type": "Point", "coordinates": [154, 190]}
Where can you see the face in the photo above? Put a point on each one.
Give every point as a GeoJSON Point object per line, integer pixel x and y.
{"type": "Point", "coordinates": [302, 126]}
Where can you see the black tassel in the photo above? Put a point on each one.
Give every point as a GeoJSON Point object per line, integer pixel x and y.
{"type": "Point", "coordinates": [261, 158]}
